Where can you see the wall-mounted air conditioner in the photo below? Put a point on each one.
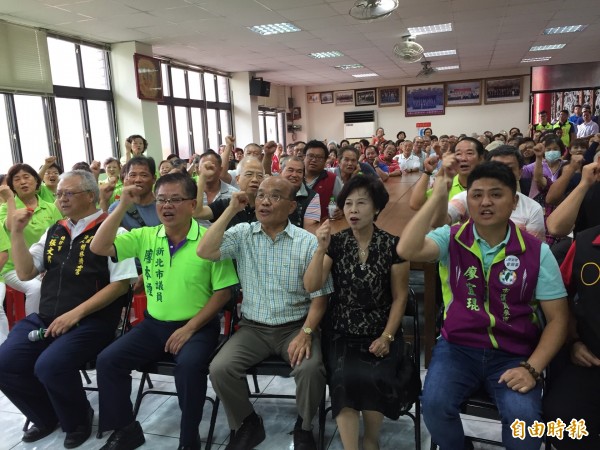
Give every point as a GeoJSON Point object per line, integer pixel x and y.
{"type": "Point", "coordinates": [359, 124]}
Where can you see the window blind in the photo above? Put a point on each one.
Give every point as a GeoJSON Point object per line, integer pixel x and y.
{"type": "Point", "coordinates": [24, 60]}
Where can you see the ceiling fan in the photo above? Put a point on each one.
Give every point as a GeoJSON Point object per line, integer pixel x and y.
{"type": "Point", "coordinates": [427, 70]}
{"type": "Point", "coordinates": [408, 50]}
{"type": "Point", "coordinates": [373, 9]}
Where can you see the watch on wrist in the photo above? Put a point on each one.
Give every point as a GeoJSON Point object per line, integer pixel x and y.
{"type": "Point", "coordinates": [426, 172]}
{"type": "Point", "coordinates": [307, 330]}
{"type": "Point", "coordinates": [388, 336]}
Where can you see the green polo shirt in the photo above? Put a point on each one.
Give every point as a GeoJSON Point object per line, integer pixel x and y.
{"type": "Point", "coordinates": [46, 194]}
{"type": "Point", "coordinates": [4, 246]}
{"type": "Point", "coordinates": [177, 286]}
{"type": "Point", "coordinates": [456, 188]}
{"type": "Point", "coordinates": [44, 215]}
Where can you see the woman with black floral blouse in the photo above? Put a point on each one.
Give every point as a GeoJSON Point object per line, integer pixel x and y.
{"type": "Point", "coordinates": [363, 342]}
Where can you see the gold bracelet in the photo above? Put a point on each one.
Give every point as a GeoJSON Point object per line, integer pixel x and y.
{"type": "Point", "coordinates": [389, 336]}
{"type": "Point", "coordinates": [534, 373]}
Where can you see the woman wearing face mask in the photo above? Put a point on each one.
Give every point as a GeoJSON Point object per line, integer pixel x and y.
{"type": "Point", "coordinates": [546, 170]}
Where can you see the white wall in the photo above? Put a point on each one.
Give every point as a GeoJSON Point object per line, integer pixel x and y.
{"type": "Point", "coordinates": [327, 121]}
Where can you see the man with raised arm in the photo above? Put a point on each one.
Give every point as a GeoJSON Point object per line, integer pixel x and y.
{"type": "Point", "coordinates": [184, 293]}
{"type": "Point", "coordinates": [494, 280]}
{"type": "Point", "coordinates": [78, 314]}
{"type": "Point", "coordinates": [279, 317]}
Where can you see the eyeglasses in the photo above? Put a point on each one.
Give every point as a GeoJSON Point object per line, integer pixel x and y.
{"type": "Point", "coordinates": [68, 194]}
{"type": "Point", "coordinates": [271, 197]}
{"type": "Point", "coordinates": [171, 201]}
{"type": "Point", "coordinates": [314, 157]}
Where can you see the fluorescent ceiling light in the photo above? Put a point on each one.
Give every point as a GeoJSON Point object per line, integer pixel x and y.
{"type": "Point", "coordinates": [274, 28]}
{"type": "Point", "coordinates": [332, 54]}
{"type": "Point", "coordinates": [349, 66]}
{"type": "Point", "coordinates": [440, 53]}
{"type": "Point", "coordinates": [447, 68]}
{"type": "Point", "coordinates": [539, 48]}
{"type": "Point", "coordinates": [428, 29]}
{"type": "Point", "coordinates": [364, 75]}
{"type": "Point", "coordinates": [567, 29]}
{"type": "Point", "coordinates": [543, 58]}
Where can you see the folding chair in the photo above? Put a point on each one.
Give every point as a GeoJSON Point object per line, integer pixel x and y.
{"type": "Point", "coordinates": [15, 306]}
{"type": "Point", "coordinates": [413, 349]}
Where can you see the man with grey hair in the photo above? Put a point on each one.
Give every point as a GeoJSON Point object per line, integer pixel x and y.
{"type": "Point", "coordinates": [78, 314]}
{"type": "Point", "coordinates": [250, 175]}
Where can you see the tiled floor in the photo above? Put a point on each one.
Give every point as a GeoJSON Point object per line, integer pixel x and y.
{"type": "Point", "coordinates": [159, 416]}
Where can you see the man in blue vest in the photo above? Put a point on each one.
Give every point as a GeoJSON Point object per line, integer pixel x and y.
{"type": "Point", "coordinates": [494, 279]}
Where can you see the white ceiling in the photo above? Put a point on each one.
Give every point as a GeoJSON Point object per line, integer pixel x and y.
{"type": "Point", "coordinates": [489, 35]}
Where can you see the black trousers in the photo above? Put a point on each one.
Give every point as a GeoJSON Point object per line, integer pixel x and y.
{"type": "Point", "coordinates": [42, 378]}
{"type": "Point", "coordinates": [145, 343]}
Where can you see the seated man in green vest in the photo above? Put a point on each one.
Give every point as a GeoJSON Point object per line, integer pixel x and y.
{"type": "Point", "coordinates": [494, 279]}
{"type": "Point", "coordinates": [184, 293]}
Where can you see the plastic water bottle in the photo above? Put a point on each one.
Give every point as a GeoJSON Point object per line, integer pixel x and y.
{"type": "Point", "coordinates": [331, 208]}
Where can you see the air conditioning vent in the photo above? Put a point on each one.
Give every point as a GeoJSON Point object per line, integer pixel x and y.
{"type": "Point", "coordinates": [359, 124]}
{"type": "Point", "coordinates": [360, 116]}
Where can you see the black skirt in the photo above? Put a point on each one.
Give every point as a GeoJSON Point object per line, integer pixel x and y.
{"type": "Point", "coordinates": [360, 380]}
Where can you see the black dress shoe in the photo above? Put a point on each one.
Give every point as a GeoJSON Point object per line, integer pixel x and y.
{"type": "Point", "coordinates": [250, 434]}
{"type": "Point", "coordinates": [126, 438]}
{"type": "Point", "coordinates": [304, 440]}
{"type": "Point", "coordinates": [35, 433]}
{"type": "Point", "coordinates": [82, 432]}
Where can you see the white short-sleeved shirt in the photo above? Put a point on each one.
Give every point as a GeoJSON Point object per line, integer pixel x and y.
{"type": "Point", "coordinates": [528, 215]}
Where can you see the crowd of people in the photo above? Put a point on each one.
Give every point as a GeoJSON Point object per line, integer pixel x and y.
{"type": "Point", "coordinates": [512, 221]}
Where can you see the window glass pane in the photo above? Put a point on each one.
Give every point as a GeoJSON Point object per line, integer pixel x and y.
{"type": "Point", "coordinates": [102, 139]}
{"type": "Point", "coordinates": [178, 77]}
{"type": "Point", "coordinates": [213, 135]}
{"type": "Point", "coordinates": [209, 87]}
{"type": "Point", "coordinates": [6, 160]}
{"type": "Point", "coordinates": [223, 86]}
{"type": "Point", "coordinates": [32, 129]}
{"type": "Point", "coordinates": [194, 85]}
{"type": "Point", "coordinates": [165, 130]}
{"type": "Point", "coordinates": [271, 128]}
{"type": "Point", "coordinates": [70, 128]}
{"type": "Point", "coordinates": [225, 124]}
{"type": "Point", "coordinates": [261, 127]}
{"type": "Point", "coordinates": [165, 79]}
{"type": "Point", "coordinates": [281, 125]}
{"type": "Point", "coordinates": [63, 62]}
{"type": "Point", "coordinates": [94, 67]}
{"type": "Point", "coordinates": [198, 130]}
{"type": "Point", "coordinates": [181, 125]}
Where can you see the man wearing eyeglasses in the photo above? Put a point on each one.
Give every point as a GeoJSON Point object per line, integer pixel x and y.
{"type": "Point", "coordinates": [78, 315]}
{"type": "Point", "coordinates": [325, 183]}
{"type": "Point", "coordinates": [184, 293]}
{"type": "Point", "coordinates": [278, 315]}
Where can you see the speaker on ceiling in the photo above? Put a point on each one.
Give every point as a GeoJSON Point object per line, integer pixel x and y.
{"type": "Point", "coordinates": [259, 87]}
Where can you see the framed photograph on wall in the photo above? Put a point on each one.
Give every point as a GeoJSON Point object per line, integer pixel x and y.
{"type": "Point", "coordinates": [570, 99]}
{"type": "Point", "coordinates": [148, 78]}
{"type": "Point", "coordinates": [326, 97]}
{"type": "Point", "coordinates": [425, 100]}
{"type": "Point", "coordinates": [503, 90]}
{"type": "Point", "coordinates": [344, 97]}
{"type": "Point", "coordinates": [296, 113]}
{"type": "Point", "coordinates": [463, 93]}
{"type": "Point", "coordinates": [389, 96]}
{"type": "Point", "coordinates": [313, 97]}
{"type": "Point", "coordinates": [365, 97]}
